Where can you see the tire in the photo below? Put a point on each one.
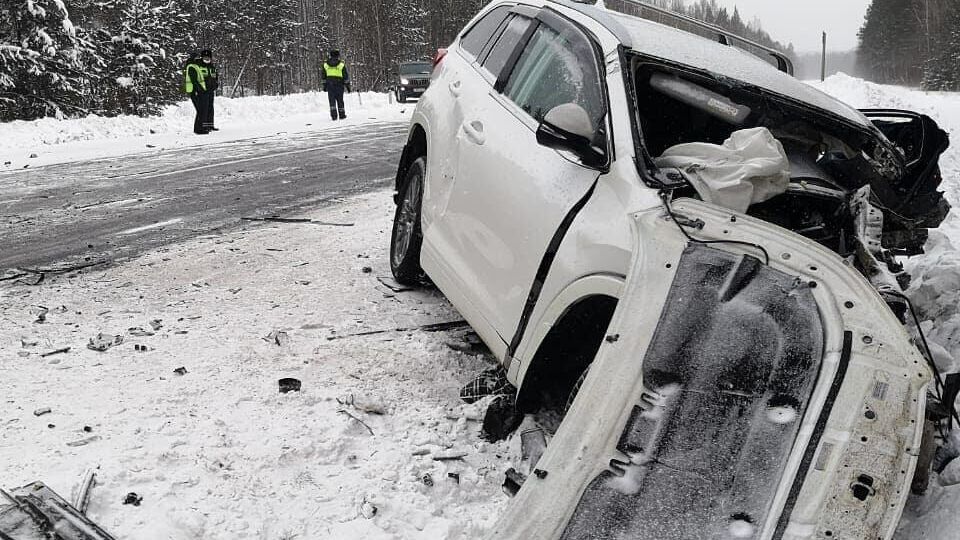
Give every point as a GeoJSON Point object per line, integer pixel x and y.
{"type": "Point", "coordinates": [407, 236]}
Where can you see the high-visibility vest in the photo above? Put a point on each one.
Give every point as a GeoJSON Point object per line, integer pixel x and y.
{"type": "Point", "coordinates": [202, 73]}
{"type": "Point", "coordinates": [334, 71]}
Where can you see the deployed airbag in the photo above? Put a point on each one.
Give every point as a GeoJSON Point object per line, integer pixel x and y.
{"type": "Point", "coordinates": [749, 167]}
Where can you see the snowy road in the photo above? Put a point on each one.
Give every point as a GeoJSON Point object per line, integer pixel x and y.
{"type": "Point", "coordinates": [108, 209]}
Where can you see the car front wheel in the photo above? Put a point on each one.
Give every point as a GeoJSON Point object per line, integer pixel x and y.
{"type": "Point", "coordinates": [407, 235]}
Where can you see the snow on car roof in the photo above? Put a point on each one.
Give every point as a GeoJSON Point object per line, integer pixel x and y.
{"type": "Point", "coordinates": [657, 40]}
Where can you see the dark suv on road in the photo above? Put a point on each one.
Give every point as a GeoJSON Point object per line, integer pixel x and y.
{"type": "Point", "coordinates": [414, 80]}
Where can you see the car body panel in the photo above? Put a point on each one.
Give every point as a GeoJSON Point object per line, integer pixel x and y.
{"type": "Point", "coordinates": [587, 441]}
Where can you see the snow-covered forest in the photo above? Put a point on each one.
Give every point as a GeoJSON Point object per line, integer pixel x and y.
{"type": "Point", "coordinates": [913, 42]}
{"type": "Point", "coordinates": [108, 57]}
{"type": "Point", "coordinates": [75, 57]}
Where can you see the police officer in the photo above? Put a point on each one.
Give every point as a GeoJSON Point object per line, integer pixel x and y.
{"type": "Point", "coordinates": [335, 81]}
{"type": "Point", "coordinates": [200, 81]}
{"type": "Point", "coordinates": [213, 82]}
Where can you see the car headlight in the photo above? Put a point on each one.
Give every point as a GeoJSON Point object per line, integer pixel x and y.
{"type": "Point", "coordinates": [404, 81]}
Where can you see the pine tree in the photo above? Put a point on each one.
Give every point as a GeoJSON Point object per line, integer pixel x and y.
{"type": "Point", "coordinates": [42, 61]}
{"type": "Point", "coordinates": [138, 75]}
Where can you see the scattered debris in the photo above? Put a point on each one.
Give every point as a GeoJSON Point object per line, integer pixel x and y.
{"type": "Point", "coordinates": [287, 384]}
{"type": "Point", "coordinates": [427, 480]}
{"type": "Point", "coordinates": [140, 332]}
{"type": "Point", "coordinates": [451, 455]}
{"type": "Point", "coordinates": [141, 348]}
{"type": "Point", "coordinates": [35, 508]}
{"type": "Point", "coordinates": [367, 509]}
{"type": "Point", "coordinates": [533, 442]}
{"type": "Point", "coordinates": [235, 290]}
{"type": "Point", "coordinates": [278, 337]}
{"type": "Point", "coordinates": [82, 498]}
{"type": "Point", "coordinates": [297, 220]}
{"type": "Point", "coordinates": [501, 419]}
{"type": "Point", "coordinates": [613, 338]}
{"type": "Point", "coordinates": [364, 405]}
{"type": "Point", "coordinates": [469, 343]}
{"type": "Point", "coordinates": [102, 342]}
{"type": "Point", "coordinates": [133, 498]}
{"type": "Point", "coordinates": [454, 476]}
{"type": "Point", "coordinates": [393, 285]}
{"type": "Point", "coordinates": [183, 371]}
{"type": "Point", "coordinates": [42, 411]}
{"type": "Point", "coordinates": [29, 278]}
{"type": "Point", "coordinates": [366, 270]}
{"type": "Point", "coordinates": [32, 156]}
{"type": "Point", "coordinates": [361, 422]}
{"type": "Point", "coordinates": [492, 382]}
{"type": "Point", "coordinates": [433, 327]}
{"type": "Point", "coordinates": [84, 442]}
{"type": "Point", "coordinates": [41, 314]}
{"type": "Point", "coordinates": [540, 473]}
{"type": "Point", "coordinates": [156, 324]}
{"type": "Point", "coordinates": [87, 429]}
{"type": "Point", "coordinates": [28, 343]}
{"type": "Point", "coordinates": [512, 481]}
{"type": "Point", "coordinates": [58, 351]}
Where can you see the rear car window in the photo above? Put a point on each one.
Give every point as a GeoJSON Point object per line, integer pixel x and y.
{"type": "Point", "coordinates": [479, 34]}
{"type": "Point", "coordinates": [500, 53]}
{"type": "Point", "coordinates": [552, 71]}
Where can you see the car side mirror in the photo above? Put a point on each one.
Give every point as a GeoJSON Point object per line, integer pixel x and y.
{"type": "Point", "coordinates": [568, 127]}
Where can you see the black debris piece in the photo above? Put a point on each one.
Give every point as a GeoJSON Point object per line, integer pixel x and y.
{"type": "Point", "coordinates": [180, 371]}
{"type": "Point", "coordinates": [133, 498]}
{"type": "Point", "coordinates": [289, 384]}
{"type": "Point", "coordinates": [512, 481]}
{"type": "Point", "coordinates": [502, 418]}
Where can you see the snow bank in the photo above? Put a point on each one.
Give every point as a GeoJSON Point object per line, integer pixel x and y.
{"type": "Point", "coordinates": [61, 141]}
{"type": "Point", "coordinates": [936, 287]}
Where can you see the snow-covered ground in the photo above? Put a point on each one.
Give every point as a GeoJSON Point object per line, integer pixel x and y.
{"type": "Point", "coordinates": [218, 452]}
{"type": "Point", "coordinates": [62, 141]}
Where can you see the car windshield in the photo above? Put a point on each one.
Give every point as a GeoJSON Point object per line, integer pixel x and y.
{"type": "Point", "coordinates": [419, 68]}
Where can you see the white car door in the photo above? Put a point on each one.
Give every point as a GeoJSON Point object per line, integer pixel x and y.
{"type": "Point", "coordinates": [511, 196]}
{"type": "Point", "coordinates": [444, 106]}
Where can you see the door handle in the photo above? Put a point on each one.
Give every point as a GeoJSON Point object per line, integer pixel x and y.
{"type": "Point", "coordinates": [474, 132]}
{"type": "Point", "coordinates": [455, 88]}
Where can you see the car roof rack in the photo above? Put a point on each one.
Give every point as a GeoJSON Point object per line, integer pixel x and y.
{"type": "Point", "coordinates": [666, 17]}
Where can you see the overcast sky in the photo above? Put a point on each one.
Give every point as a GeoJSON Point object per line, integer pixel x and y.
{"type": "Point", "coordinates": [802, 21]}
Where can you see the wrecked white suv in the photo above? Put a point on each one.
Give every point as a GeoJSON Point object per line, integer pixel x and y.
{"type": "Point", "coordinates": [713, 239]}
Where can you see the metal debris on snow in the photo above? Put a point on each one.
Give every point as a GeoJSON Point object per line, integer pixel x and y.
{"type": "Point", "coordinates": [278, 337]}
{"type": "Point", "coordinates": [102, 342]}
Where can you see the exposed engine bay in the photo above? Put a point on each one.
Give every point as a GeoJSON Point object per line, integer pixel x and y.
{"type": "Point", "coordinates": [869, 193]}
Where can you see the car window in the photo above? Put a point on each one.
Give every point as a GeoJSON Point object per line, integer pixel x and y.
{"type": "Point", "coordinates": [478, 34]}
{"type": "Point", "coordinates": [555, 69]}
{"type": "Point", "coordinates": [497, 57]}
{"type": "Point", "coordinates": [422, 68]}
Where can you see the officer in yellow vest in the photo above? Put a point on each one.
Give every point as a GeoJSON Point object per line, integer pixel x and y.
{"type": "Point", "coordinates": [335, 81]}
{"type": "Point", "coordinates": [199, 81]}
